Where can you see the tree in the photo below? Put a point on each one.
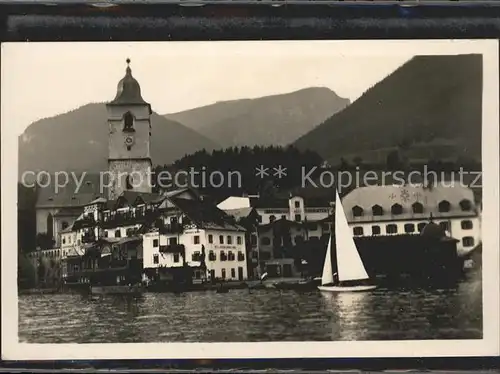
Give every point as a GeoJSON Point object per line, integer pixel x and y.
{"type": "Point", "coordinates": [358, 161]}
{"type": "Point", "coordinates": [405, 144]}
{"type": "Point", "coordinates": [203, 264]}
{"type": "Point", "coordinates": [55, 272]}
{"type": "Point", "coordinates": [26, 277]}
{"type": "Point", "coordinates": [250, 223]}
{"type": "Point", "coordinates": [344, 165]}
{"type": "Point", "coordinates": [268, 189]}
{"type": "Point", "coordinates": [44, 241]}
{"type": "Point", "coordinates": [239, 165]}
{"type": "Point", "coordinates": [41, 272]}
{"type": "Point", "coordinates": [26, 218]}
{"type": "Point", "coordinates": [393, 161]}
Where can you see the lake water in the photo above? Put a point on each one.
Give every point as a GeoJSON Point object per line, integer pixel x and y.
{"type": "Point", "coordinates": [263, 315]}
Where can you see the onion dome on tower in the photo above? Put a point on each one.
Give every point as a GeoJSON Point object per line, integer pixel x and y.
{"type": "Point", "coordinates": [433, 231]}
{"type": "Point", "coordinates": [128, 91]}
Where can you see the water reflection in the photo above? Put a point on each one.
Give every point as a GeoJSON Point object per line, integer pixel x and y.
{"type": "Point", "coordinates": [347, 319]}
{"type": "Point", "coordinates": [262, 315]}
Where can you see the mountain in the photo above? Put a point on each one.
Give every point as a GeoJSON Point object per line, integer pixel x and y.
{"type": "Point", "coordinates": [269, 120]}
{"type": "Point", "coordinates": [431, 106]}
{"type": "Point", "coordinates": [78, 141]}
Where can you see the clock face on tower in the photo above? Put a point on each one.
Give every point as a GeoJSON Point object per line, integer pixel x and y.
{"type": "Point", "coordinates": [129, 141]}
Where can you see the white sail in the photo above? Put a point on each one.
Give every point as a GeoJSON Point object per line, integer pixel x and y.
{"type": "Point", "coordinates": [349, 263]}
{"type": "Point", "coordinates": [327, 276]}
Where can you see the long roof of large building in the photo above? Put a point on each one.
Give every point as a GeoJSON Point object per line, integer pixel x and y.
{"type": "Point", "coordinates": [74, 193]}
{"type": "Point", "coordinates": [406, 196]}
{"type": "Point", "coordinates": [206, 214]}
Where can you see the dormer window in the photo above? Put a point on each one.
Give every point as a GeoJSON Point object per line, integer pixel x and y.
{"type": "Point", "coordinates": [128, 122]}
{"type": "Point", "coordinates": [357, 211]}
{"type": "Point", "coordinates": [377, 210]}
{"type": "Point", "coordinates": [418, 208]}
{"type": "Point", "coordinates": [465, 205]}
{"type": "Point", "coordinates": [444, 206]}
{"type": "Point", "coordinates": [396, 209]}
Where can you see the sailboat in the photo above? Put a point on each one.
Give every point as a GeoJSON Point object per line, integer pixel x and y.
{"type": "Point", "coordinates": [351, 272]}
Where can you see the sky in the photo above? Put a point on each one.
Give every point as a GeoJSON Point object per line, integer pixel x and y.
{"type": "Point", "coordinates": [41, 80]}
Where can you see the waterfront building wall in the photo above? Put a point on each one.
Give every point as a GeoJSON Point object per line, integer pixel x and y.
{"type": "Point", "coordinates": [466, 230]}
{"type": "Point", "coordinates": [401, 209]}
{"type": "Point", "coordinates": [224, 251]}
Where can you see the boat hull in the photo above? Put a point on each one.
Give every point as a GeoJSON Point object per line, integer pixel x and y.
{"type": "Point", "coordinates": [309, 285]}
{"type": "Point", "coordinates": [347, 288]}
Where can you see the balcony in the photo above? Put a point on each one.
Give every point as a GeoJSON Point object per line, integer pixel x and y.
{"type": "Point", "coordinates": [171, 229]}
{"type": "Point", "coordinates": [231, 256]}
{"type": "Point", "coordinates": [197, 257]}
{"type": "Point", "coordinates": [212, 257]}
{"type": "Point", "coordinates": [129, 218]}
{"type": "Point", "coordinates": [172, 248]}
{"type": "Point", "coordinates": [141, 216]}
{"type": "Point", "coordinates": [88, 238]}
{"type": "Point", "coordinates": [86, 221]}
{"type": "Point", "coordinates": [223, 257]}
{"type": "Point", "coordinates": [241, 256]}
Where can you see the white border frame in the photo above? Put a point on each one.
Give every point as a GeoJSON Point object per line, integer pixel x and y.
{"type": "Point", "coordinates": [488, 346]}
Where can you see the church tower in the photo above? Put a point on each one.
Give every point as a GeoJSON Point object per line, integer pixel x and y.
{"type": "Point", "coordinates": [129, 153]}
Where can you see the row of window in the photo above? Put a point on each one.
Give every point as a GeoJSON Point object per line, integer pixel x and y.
{"type": "Point", "coordinates": [233, 273]}
{"type": "Point", "coordinates": [223, 257]}
{"type": "Point", "coordinates": [64, 239]}
{"type": "Point", "coordinates": [311, 226]}
{"type": "Point", "coordinates": [196, 240]}
{"type": "Point", "coordinates": [239, 239]}
{"type": "Point", "coordinates": [417, 208]}
{"type": "Point", "coordinates": [409, 228]}
{"type": "Point", "coordinates": [223, 273]}
{"type": "Point", "coordinates": [196, 256]}
{"type": "Point", "coordinates": [156, 258]}
{"type": "Point", "coordinates": [171, 241]}
{"type": "Point", "coordinates": [272, 218]}
{"type": "Point", "coordinates": [118, 233]}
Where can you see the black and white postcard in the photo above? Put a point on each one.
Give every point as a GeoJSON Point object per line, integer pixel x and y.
{"type": "Point", "coordinates": [264, 199]}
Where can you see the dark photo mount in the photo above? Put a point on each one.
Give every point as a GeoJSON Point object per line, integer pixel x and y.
{"type": "Point", "coordinates": [256, 21]}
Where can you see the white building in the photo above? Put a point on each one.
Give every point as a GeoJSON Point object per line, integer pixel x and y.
{"type": "Point", "coordinates": [190, 232]}
{"type": "Point", "coordinates": [393, 210]}
{"type": "Point", "coordinates": [373, 210]}
{"type": "Point", "coordinates": [247, 217]}
{"type": "Point", "coordinates": [299, 207]}
{"type": "Point", "coordinates": [175, 230]}
{"type": "Point", "coordinates": [58, 207]}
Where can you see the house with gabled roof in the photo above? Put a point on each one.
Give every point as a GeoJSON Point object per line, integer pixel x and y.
{"type": "Point", "coordinates": [193, 232]}
{"type": "Point", "coordinates": [57, 207]}
{"type": "Point", "coordinates": [169, 231]}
